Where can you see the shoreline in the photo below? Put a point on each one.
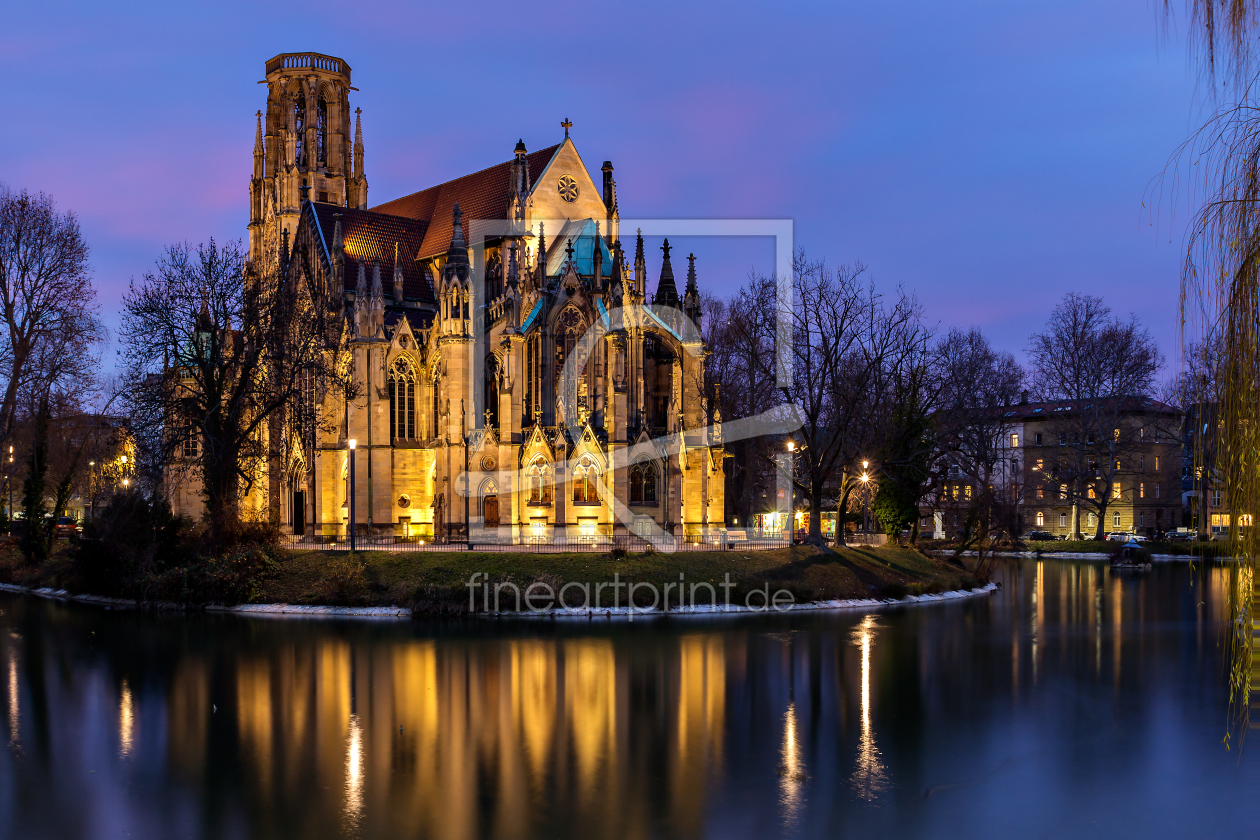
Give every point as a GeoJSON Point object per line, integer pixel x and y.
{"type": "Point", "coordinates": [1090, 555]}
{"type": "Point", "coordinates": [572, 613]}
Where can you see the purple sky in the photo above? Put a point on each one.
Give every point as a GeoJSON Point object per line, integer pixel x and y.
{"type": "Point", "coordinates": [990, 156]}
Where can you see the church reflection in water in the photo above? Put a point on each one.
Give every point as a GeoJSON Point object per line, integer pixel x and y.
{"type": "Point", "coordinates": [816, 725]}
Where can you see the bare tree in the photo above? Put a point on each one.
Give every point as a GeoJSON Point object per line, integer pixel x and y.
{"type": "Point", "coordinates": [48, 311]}
{"type": "Point", "coordinates": [979, 387]}
{"type": "Point", "coordinates": [217, 350]}
{"type": "Point", "coordinates": [1102, 369]}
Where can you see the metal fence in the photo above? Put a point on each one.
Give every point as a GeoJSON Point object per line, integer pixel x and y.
{"type": "Point", "coordinates": [596, 544]}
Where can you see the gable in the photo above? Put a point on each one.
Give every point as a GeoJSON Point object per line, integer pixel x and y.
{"type": "Point", "coordinates": [548, 203]}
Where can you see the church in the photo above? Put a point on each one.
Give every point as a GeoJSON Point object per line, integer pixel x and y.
{"type": "Point", "coordinates": [515, 378]}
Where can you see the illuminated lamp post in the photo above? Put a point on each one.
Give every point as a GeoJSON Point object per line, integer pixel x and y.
{"type": "Point", "coordinates": [10, 481]}
{"type": "Point", "coordinates": [351, 444]}
{"type": "Point", "coordinates": [866, 499]}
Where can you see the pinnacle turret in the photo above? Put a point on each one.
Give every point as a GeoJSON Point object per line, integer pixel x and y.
{"type": "Point", "coordinates": [666, 291]}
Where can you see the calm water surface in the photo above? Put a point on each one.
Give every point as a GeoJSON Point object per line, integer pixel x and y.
{"type": "Point", "coordinates": [1073, 703]}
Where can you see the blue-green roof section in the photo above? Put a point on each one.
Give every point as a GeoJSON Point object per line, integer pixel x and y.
{"type": "Point", "coordinates": [582, 232]}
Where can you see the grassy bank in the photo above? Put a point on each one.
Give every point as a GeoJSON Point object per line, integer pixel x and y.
{"type": "Point", "coordinates": [437, 583]}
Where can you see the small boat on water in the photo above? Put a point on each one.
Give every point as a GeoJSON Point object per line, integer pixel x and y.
{"type": "Point", "coordinates": [1131, 556]}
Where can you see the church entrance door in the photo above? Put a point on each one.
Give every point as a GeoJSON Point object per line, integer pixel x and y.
{"type": "Point", "coordinates": [490, 511]}
{"type": "Point", "coordinates": [299, 512]}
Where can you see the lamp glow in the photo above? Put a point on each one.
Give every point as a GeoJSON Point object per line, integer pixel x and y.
{"type": "Point", "coordinates": [351, 442]}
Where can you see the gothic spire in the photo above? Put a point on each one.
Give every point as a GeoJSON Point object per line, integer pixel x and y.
{"type": "Point", "coordinates": [542, 255]}
{"type": "Point", "coordinates": [457, 253]}
{"type": "Point", "coordinates": [666, 291]}
{"type": "Point", "coordinates": [258, 147]}
{"type": "Point", "coordinates": [358, 144]}
{"type": "Point", "coordinates": [640, 265]}
{"type": "Point", "coordinates": [398, 277]}
{"type": "Point", "coordinates": [597, 261]}
{"type": "Point", "coordinates": [691, 300]}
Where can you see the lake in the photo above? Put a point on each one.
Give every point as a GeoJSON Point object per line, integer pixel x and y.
{"type": "Point", "coordinates": [1072, 703]}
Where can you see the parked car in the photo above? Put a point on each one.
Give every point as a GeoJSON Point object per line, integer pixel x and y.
{"type": "Point", "coordinates": [67, 527]}
{"type": "Point", "coordinates": [1125, 536]}
{"type": "Point", "coordinates": [1180, 535]}
{"type": "Point", "coordinates": [1038, 536]}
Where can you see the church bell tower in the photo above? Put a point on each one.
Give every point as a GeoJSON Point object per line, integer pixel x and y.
{"type": "Point", "coordinates": [303, 139]}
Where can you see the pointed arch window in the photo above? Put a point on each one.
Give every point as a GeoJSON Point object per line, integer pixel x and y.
{"type": "Point", "coordinates": [585, 474]}
{"type": "Point", "coordinates": [321, 130]}
{"type": "Point", "coordinates": [490, 389]}
{"type": "Point", "coordinates": [299, 127]}
{"type": "Point", "coordinates": [643, 483]}
{"type": "Point", "coordinates": [402, 400]}
{"type": "Point", "coordinates": [539, 483]}
{"type": "Point", "coordinates": [436, 407]}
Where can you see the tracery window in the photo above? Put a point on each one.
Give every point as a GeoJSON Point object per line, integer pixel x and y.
{"type": "Point", "coordinates": [490, 389]}
{"type": "Point", "coordinates": [437, 407]}
{"type": "Point", "coordinates": [585, 474]}
{"type": "Point", "coordinates": [539, 485]}
{"type": "Point", "coordinates": [321, 130]}
{"type": "Point", "coordinates": [299, 127]}
{"type": "Point", "coordinates": [402, 400]}
{"type": "Point", "coordinates": [643, 483]}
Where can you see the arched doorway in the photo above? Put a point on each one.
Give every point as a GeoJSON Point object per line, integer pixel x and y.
{"type": "Point", "coordinates": [490, 511]}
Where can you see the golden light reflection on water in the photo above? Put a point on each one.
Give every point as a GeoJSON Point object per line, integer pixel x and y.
{"type": "Point", "coordinates": [14, 715]}
{"type": "Point", "coordinates": [870, 778]}
{"type": "Point", "coordinates": [354, 772]}
{"type": "Point", "coordinates": [126, 721]}
{"type": "Point", "coordinates": [792, 768]}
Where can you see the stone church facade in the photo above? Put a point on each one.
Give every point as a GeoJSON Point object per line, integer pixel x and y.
{"type": "Point", "coordinates": [514, 377]}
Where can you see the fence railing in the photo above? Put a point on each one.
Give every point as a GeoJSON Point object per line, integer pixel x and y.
{"type": "Point", "coordinates": [597, 544]}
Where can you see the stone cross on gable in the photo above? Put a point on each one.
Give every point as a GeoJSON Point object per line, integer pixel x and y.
{"type": "Point", "coordinates": [488, 413]}
{"type": "Point", "coordinates": [566, 125]}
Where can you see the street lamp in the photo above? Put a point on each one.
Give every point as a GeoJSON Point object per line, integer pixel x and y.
{"type": "Point", "coordinates": [10, 483]}
{"type": "Point", "coordinates": [92, 488]}
{"type": "Point", "coordinates": [866, 498]}
{"type": "Point", "coordinates": [351, 443]}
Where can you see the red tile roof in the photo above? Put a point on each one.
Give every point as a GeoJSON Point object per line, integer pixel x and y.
{"type": "Point", "coordinates": [368, 235]}
{"type": "Point", "coordinates": [482, 196]}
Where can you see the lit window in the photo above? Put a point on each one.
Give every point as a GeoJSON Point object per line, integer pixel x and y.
{"type": "Point", "coordinates": [1117, 435]}
{"type": "Point", "coordinates": [1156, 463]}
{"type": "Point", "coordinates": [1039, 465]}
{"type": "Point", "coordinates": [1014, 440]}
{"type": "Point", "coordinates": [1142, 433]}
{"type": "Point", "coordinates": [1041, 519]}
{"type": "Point", "coordinates": [1216, 520]}
{"type": "Point", "coordinates": [967, 491]}
{"type": "Point", "coordinates": [1117, 465]}
{"type": "Point", "coordinates": [402, 400]}
{"type": "Point", "coordinates": [1041, 492]}
{"type": "Point", "coordinates": [1089, 492]}
{"type": "Point", "coordinates": [1115, 490]}
{"type": "Point", "coordinates": [1141, 490]}
{"type": "Point", "coordinates": [1062, 491]}
{"type": "Point", "coordinates": [584, 478]}
{"type": "Point", "coordinates": [1244, 520]}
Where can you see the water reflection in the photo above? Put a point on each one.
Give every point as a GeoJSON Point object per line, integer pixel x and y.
{"type": "Point", "coordinates": [1065, 682]}
{"type": "Point", "coordinates": [868, 779]}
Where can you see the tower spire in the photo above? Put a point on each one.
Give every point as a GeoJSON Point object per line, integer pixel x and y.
{"type": "Point", "coordinates": [259, 158]}
{"type": "Point", "coordinates": [398, 277]}
{"type": "Point", "coordinates": [640, 265]}
{"type": "Point", "coordinates": [666, 291]}
{"type": "Point", "coordinates": [691, 300]}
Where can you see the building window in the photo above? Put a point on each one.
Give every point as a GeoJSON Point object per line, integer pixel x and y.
{"type": "Point", "coordinates": [1141, 489]}
{"type": "Point", "coordinates": [1115, 490]}
{"type": "Point", "coordinates": [1117, 435]}
{"type": "Point", "coordinates": [1216, 498]}
{"type": "Point", "coordinates": [321, 130]}
{"type": "Point", "coordinates": [539, 485]}
{"type": "Point", "coordinates": [437, 407]}
{"type": "Point", "coordinates": [1041, 519]}
{"type": "Point", "coordinates": [1115, 519]}
{"type": "Point", "coordinates": [1141, 463]}
{"type": "Point", "coordinates": [1062, 438]}
{"type": "Point", "coordinates": [967, 491]}
{"type": "Point", "coordinates": [584, 477]}
{"type": "Point", "coordinates": [299, 128]}
{"type": "Point", "coordinates": [1038, 438]}
{"type": "Point", "coordinates": [1062, 520]}
{"type": "Point", "coordinates": [1142, 433]}
{"type": "Point", "coordinates": [1091, 520]}
{"type": "Point", "coordinates": [1014, 440]}
{"type": "Point", "coordinates": [1041, 492]}
{"type": "Point", "coordinates": [643, 483]}
{"type": "Point", "coordinates": [1014, 465]}
{"type": "Point", "coordinates": [1244, 520]}
{"type": "Point", "coordinates": [402, 400]}
{"type": "Point", "coordinates": [1089, 492]}
{"type": "Point", "coordinates": [1062, 491]}
{"type": "Point", "coordinates": [1039, 465]}
{"type": "Point", "coordinates": [1117, 465]}
{"type": "Point", "coordinates": [1156, 463]}
{"type": "Point", "coordinates": [1157, 491]}
{"type": "Point", "coordinates": [1142, 519]}
{"type": "Point", "coordinates": [190, 443]}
